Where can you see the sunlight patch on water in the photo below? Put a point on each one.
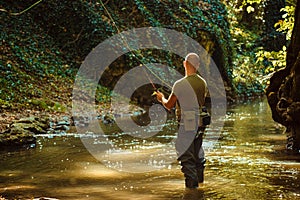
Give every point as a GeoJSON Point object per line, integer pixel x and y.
{"type": "Point", "coordinates": [95, 170]}
{"type": "Point", "coordinates": [279, 137]}
{"type": "Point", "coordinates": [11, 173]}
{"type": "Point", "coordinates": [16, 188]}
{"type": "Point", "coordinates": [139, 161]}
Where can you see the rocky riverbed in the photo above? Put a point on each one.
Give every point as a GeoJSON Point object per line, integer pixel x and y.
{"type": "Point", "coordinates": [19, 129]}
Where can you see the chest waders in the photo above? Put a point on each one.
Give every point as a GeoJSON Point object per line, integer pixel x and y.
{"type": "Point", "coordinates": [192, 164]}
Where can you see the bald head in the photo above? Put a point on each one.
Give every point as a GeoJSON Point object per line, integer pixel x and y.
{"type": "Point", "coordinates": [193, 59]}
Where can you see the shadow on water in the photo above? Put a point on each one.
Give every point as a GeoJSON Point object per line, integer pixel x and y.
{"type": "Point", "coordinates": [248, 162]}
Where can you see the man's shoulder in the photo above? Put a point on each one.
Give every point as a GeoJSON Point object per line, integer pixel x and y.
{"type": "Point", "coordinates": [201, 78]}
{"type": "Point", "coordinates": [179, 85]}
{"type": "Point", "coordinates": [179, 81]}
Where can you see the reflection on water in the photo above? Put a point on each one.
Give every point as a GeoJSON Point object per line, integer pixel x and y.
{"type": "Point", "coordinates": [248, 162]}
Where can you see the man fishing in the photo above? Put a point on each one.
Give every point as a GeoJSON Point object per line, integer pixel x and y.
{"type": "Point", "coordinates": [188, 93]}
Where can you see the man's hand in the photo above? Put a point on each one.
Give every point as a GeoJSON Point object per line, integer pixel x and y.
{"type": "Point", "coordinates": [167, 103]}
{"type": "Point", "coordinates": [159, 96]}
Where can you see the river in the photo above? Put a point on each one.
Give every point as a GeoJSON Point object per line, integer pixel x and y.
{"type": "Point", "coordinates": [248, 161]}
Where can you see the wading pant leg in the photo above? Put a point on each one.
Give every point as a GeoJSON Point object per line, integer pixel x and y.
{"type": "Point", "coordinates": [200, 160]}
{"type": "Point", "coordinates": [188, 166]}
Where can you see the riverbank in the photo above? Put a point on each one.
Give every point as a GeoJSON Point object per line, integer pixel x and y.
{"type": "Point", "coordinates": [19, 128]}
{"type": "Point", "coordinates": [8, 117]}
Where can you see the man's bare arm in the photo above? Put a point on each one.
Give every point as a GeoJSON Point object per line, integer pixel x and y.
{"type": "Point", "coordinates": [167, 103]}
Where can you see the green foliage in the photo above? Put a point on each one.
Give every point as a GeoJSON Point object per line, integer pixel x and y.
{"type": "Point", "coordinates": [287, 24]}
{"type": "Point", "coordinates": [275, 60]}
{"type": "Point", "coordinates": [103, 95]}
{"type": "Point", "coordinates": [58, 107]}
{"type": "Point", "coordinates": [249, 4]}
{"type": "Point", "coordinates": [246, 72]}
{"type": "Point", "coordinates": [41, 104]}
{"type": "Point", "coordinates": [44, 46]}
{"type": "Point", "coordinates": [201, 20]}
{"type": "Point", "coordinates": [245, 2]}
{"type": "Point", "coordinates": [46, 104]}
{"type": "Point", "coordinates": [5, 104]}
{"type": "Point", "coordinates": [253, 66]}
{"type": "Point", "coordinates": [32, 66]}
{"type": "Point", "coordinates": [192, 18]}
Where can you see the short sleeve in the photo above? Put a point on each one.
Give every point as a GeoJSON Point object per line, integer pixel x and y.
{"type": "Point", "coordinates": [176, 89]}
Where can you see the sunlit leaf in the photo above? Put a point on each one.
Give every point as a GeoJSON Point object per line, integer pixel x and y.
{"type": "Point", "coordinates": [250, 9]}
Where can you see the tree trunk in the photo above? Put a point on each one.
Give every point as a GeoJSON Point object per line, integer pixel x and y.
{"type": "Point", "coordinates": [283, 92]}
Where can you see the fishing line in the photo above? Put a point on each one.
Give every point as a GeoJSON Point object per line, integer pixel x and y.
{"type": "Point", "coordinates": [126, 43]}
{"type": "Point", "coordinates": [23, 11]}
{"type": "Point", "coordinates": [149, 78]}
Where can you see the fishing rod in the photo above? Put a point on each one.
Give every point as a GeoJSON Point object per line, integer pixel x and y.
{"type": "Point", "coordinates": [128, 46]}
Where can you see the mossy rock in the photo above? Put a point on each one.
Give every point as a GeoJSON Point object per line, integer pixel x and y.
{"type": "Point", "coordinates": [22, 132]}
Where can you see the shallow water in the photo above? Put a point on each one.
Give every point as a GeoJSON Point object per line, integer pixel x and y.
{"type": "Point", "coordinates": [248, 161]}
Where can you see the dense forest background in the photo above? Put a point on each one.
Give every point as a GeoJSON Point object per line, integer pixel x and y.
{"type": "Point", "coordinates": [43, 44]}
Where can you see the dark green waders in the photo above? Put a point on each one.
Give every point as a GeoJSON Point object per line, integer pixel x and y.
{"type": "Point", "coordinates": [192, 165]}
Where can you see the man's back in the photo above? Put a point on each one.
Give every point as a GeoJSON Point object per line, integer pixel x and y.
{"type": "Point", "coordinates": [190, 92]}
